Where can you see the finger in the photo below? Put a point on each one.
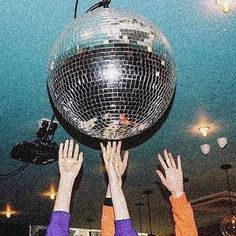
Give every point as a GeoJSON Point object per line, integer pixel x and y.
{"type": "Point", "coordinates": [164, 166]}
{"type": "Point", "coordinates": [80, 158]}
{"type": "Point", "coordinates": [179, 163]}
{"type": "Point", "coordinates": [102, 147]}
{"type": "Point", "coordinates": [113, 149]}
{"type": "Point", "coordinates": [71, 147]}
{"type": "Point", "coordinates": [108, 149]}
{"type": "Point", "coordinates": [172, 160]}
{"type": "Point", "coordinates": [104, 155]}
{"type": "Point", "coordinates": [113, 144]}
{"type": "Point", "coordinates": [60, 152]}
{"type": "Point", "coordinates": [162, 177]}
{"type": "Point", "coordinates": [76, 151]}
{"type": "Point", "coordinates": [65, 150]}
{"type": "Point", "coordinates": [119, 147]}
{"type": "Point", "coordinates": [125, 160]}
{"type": "Point", "coordinates": [167, 158]}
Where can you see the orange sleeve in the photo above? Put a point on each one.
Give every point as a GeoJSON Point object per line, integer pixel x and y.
{"type": "Point", "coordinates": [107, 221]}
{"type": "Point", "coordinates": [183, 217]}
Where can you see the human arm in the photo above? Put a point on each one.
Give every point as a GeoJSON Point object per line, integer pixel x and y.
{"type": "Point", "coordinates": [181, 208]}
{"type": "Point", "coordinates": [113, 162]}
{"type": "Point", "coordinates": [107, 221]}
{"type": "Point", "coordinates": [70, 161]}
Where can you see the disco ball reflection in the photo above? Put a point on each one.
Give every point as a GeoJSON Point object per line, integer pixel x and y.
{"type": "Point", "coordinates": [111, 74]}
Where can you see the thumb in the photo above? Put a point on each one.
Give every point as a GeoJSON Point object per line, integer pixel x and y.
{"type": "Point", "coordinates": [163, 180]}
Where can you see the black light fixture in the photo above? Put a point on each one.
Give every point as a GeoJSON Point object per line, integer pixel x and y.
{"type": "Point", "coordinates": [228, 224]}
{"type": "Point", "coordinates": [148, 192]}
{"type": "Point", "coordinates": [43, 150]}
{"type": "Point", "coordinates": [139, 205]}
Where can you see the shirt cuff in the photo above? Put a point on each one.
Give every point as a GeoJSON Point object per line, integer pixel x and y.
{"type": "Point", "coordinates": [61, 217]}
{"type": "Point", "coordinates": [108, 202]}
{"type": "Point", "coordinates": [178, 202]}
{"type": "Point", "coordinates": [124, 227]}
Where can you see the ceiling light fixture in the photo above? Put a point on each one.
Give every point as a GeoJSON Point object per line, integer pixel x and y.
{"type": "Point", "coordinates": [228, 224]}
{"type": "Point", "coordinates": [224, 4]}
{"type": "Point", "coordinates": [222, 142]}
{"type": "Point", "coordinates": [8, 212]}
{"type": "Point", "coordinates": [205, 148]}
{"type": "Point", "coordinates": [51, 193]}
{"type": "Point", "coordinates": [148, 192]}
{"type": "Point", "coordinates": [204, 130]}
{"type": "Point", "coordinates": [139, 205]}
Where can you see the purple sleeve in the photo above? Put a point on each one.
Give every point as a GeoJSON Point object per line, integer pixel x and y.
{"type": "Point", "coordinates": [59, 224]}
{"type": "Point", "coordinates": [124, 228]}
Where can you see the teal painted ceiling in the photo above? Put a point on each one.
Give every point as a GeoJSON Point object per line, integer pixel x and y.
{"type": "Point", "coordinates": [203, 39]}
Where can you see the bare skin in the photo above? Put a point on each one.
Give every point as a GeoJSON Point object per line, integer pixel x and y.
{"type": "Point", "coordinates": [173, 179]}
{"type": "Point", "coordinates": [70, 162]}
{"type": "Point", "coordinates": [115, 168]}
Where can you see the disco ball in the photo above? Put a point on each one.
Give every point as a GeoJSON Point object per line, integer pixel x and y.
{"type": "Point", "coordinates": [228, 226]}
{"type": "Point", "coordinates": [111, 74]}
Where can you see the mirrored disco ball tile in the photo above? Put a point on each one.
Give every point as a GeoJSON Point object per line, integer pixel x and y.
{"type": "Point", "coordinates": [111, 74]}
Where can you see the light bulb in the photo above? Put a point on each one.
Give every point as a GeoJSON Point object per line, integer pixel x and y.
{"type": "Point", "coordinates": [225, 5]}
{"type": "Point", "coordinates": [204, 130]}
{"type": "Point", "coordinates": [52, 196]}
{"type": "Point", "coordinates": [52, 193]}
{"type": "Point", "coordinates": [8, 214]}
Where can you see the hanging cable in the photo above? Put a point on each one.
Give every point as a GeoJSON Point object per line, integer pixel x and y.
{"type": "Point", "coordinates": [15, 172]}
{"type": "Point", "coordinates": [103, 3]}
{"type": "Point", "coordinates": [76, 7]}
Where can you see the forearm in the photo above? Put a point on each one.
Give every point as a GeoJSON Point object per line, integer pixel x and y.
{"type": "Point", "coordinates": [63, 198]}
{"type": "Point", "coordinates": [119, 202]}
{"type": "Point", "coordinates": [107, 221]}
{"type": "Point", "coordinates": [183, 216]}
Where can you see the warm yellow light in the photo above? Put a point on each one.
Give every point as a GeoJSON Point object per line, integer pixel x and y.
{"type": "Point", "coordinates": [52, 196]}
{"type": "Point", "coordinates": [225, 5]}
{"type": "Point", "coordinates": [8, 212]}
{"type": "Point", "coordinates": [51, 193]}
{"type": "Point", "coordinates": [204, 130]}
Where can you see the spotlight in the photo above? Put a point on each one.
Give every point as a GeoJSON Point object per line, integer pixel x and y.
{"type": "Point", "coordinates": [41, 151]}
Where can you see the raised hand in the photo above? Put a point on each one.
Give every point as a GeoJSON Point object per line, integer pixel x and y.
{"type": "Point", "coordinates": [70, 160]}
{"type": "Point", "coordinates": [173, 179]}
{"type": "Point", "coordinates": [115, 166]}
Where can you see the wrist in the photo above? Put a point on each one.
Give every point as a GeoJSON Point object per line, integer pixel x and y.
{"type": "Point", "coordinates": [64, 180]}
{"type": "Point", "coordinates": [177, 194]}
{"type": "Point", "coordinates": [117, 183]}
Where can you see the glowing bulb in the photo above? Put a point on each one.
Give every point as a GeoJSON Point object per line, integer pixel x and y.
{"type": "Point", "coordinates": [225, 4]}
{"type": "Point", "coordinates": [51, 193]}
{"type": "Point", "coordinates": [8, 212]}
{"type": "Point", "coordinates": [204, 130]}
{"type": "Point", "coordinates": [52, 196]}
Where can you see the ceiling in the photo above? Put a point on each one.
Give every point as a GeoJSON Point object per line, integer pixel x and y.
{"type": "Point", "coordinates": [203, 39]}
